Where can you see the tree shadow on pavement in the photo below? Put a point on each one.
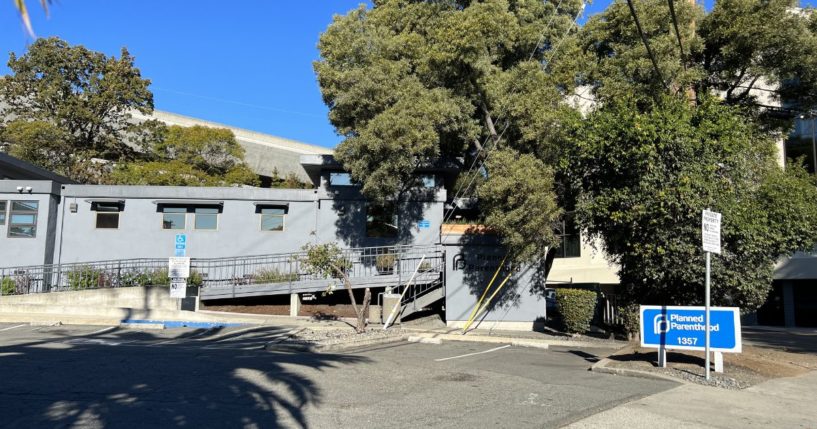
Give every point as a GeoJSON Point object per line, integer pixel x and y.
{"type": "Point", "coordinates": [792, 340]}
{"type": "Point", "coordinates": [131, 381]}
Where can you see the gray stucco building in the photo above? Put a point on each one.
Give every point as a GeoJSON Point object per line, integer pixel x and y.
{"type": "Point", "coordinates": [47, 219]}
{"type": "Point", "coordinates": [50, 222]}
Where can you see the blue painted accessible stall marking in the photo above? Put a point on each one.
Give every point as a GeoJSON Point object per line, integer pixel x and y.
{"type": "Point", "coordinates": [683, 328]}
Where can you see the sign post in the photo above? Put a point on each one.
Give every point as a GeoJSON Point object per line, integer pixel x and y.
{"type": "Point", "coordinates": [711, 238]}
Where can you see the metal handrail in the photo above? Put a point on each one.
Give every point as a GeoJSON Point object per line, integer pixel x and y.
{"type": "Point", "coordinates": [279, 268]}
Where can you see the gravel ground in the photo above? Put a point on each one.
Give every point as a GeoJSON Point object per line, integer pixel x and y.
{"type": "Point", "coordinates": [325, 337]}
{"type": "Point", "coordinates": [753, 366]}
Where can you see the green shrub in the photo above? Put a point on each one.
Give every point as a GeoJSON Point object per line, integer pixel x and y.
{"type": "Point", "coordinates": [129, 279]}
{"type": "Point", "coordinates": [86, 277]}
{"type": "Point", "coordinates": [631, 320]}
{"type": "Point", "coordinates": [424, 267]}
{"type": "Point", "coordinates": [271, 275]}
{"type": "Point", "coordinates": [8, 286]}
{"type": "Point", "coordinates": [159, 277]}
{"type": "Point", "coordinates": [195, 279]}
{"type": "Point", "coordinates": [385, 262]}
{"type": "Point", "coordinates": [577, 307]}
{"type": "Point", "coordinates": [345, 265]}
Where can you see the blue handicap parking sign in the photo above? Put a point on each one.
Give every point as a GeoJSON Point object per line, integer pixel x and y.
{"type": "Point", "coordinates": [181, 238]}
{"type": "Point", "coordinates": [180, 252]}
{"type": "Point", "coordinates": [684, 328]}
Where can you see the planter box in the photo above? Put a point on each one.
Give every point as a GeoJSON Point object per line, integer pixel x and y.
{"type": "Point", "coordinates": [466, 228]}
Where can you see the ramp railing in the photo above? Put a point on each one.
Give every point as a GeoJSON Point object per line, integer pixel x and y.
{"type": "Point", "coordinates": [284, 268]}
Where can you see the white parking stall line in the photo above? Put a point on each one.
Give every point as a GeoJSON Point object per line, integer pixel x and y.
{"type": "Point", "coordinates": [473, 354]}
{"type": "Point", "coordinates": [13, 327]}
{"type": "Point", "coordinates": [206, 331]}
{"type": "Point", "coordinates": [180, 340]}
{"type": "Point", "coordinates": [103, 330]}
{"type": "Point", "coordinates": [233, 333]}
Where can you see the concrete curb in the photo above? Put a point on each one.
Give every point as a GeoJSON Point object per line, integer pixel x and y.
{"type": "Point", "coordinates": [520, 342]}
{"type": "Point", "coordinates": [424, 340]}
{"type": "Point", "coordinates": [143, 326]}
{"type": "Point", "coordinates": [46, 320]}
{"type": "Point", "coordinates": [602, 368]}
{"type": "Point", "coordinates": [349, 345]}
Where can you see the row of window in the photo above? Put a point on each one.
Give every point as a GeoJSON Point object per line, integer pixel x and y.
{"type": "Point", "coordinates": [381, 222]}
{"type": "Point", "coordinates": [175, 217]}
{"type": "Point", "coordinates": [345, 179]}
{"type": "Point", "coordinates": [21, 217]}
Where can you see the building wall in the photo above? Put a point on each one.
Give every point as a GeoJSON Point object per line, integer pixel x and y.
{"type": "Point", "coordinates": [67, 224]}
{"type": "Point", "coordinates": [470, 262]}
{"type": "Point", "coordinates": [38, 250]}
{"type": "Point", "coordinates": [591, 267]}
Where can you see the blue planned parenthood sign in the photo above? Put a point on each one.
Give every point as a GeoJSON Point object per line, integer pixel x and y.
{"type": "Point", "coordinates": [683, 328]}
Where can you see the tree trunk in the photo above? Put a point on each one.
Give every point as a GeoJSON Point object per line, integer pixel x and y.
{"type": "Point", "coordinates": [347, 284]}
{"type": "Point", "coordinates": [364, 311]}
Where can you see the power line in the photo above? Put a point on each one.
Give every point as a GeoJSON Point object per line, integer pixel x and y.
{"type": "Point", "coordinates": [677, 33]}
{"type": "Point", "coordinates": [574, 23]}
{"type": "Point", "coordinates": [542, 36]}
{"type": "Point", "coordinates": [238, 103]}
{"type": "Point", "coordinates": [646, 43]}
{"type": "Point", "coordinates": [482, 146]}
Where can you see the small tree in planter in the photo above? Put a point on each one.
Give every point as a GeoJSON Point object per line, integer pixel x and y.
{"type": "Point", "coordinates": [385, 263]}
{"type": "Point", "coordinates": [327, 260]}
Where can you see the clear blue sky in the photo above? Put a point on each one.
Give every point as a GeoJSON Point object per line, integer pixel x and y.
{"type": "Point", "coordinates": [244, 63]}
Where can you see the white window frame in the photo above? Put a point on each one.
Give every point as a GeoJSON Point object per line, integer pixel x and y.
{"type": "Point", "coordinates": [12, 212]}
{"type": "Point", "coordinates": [184, 216]}
{"type": "Point", "coordinates": [282, 216]}
{"type": "Point", "coordinates": [217, 214]}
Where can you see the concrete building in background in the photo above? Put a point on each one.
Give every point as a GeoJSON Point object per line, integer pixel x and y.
{"type": "Point", "coordinates": [265, 154]}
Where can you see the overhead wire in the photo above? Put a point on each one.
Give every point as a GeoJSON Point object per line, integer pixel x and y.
{"type": "Point", "coordinates": [496, 140]}
{"type": "Point", "coordinates": [480, 307]}
{"type": "Point", "coordinates": [646, 44]}
{"type": "Point", "coordinates": [677, 32]}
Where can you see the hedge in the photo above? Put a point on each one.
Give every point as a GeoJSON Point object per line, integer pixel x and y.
{"type": "Point", "coordinates": [577, 307]}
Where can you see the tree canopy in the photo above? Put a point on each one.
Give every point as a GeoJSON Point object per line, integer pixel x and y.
{"type": "Point", "coordinates": [69, 109]}
{"type": "Point", "coordinates": [698, 131]}
{"type": "Point", "coordinates": [752, 53]}
{"type": "Point", "coordinates": [680, 116]}
{"type": "Point", "coordinates": [645, 177]}
{"type": "Point", "coordinates": [408, 82]}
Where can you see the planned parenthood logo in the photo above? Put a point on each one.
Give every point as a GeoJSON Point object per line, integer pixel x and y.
{"type": "Point", "coordinates": [685, 328]}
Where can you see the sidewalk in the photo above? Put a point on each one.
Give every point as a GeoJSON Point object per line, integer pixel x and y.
{"type": "Point", "coordinates": [779, 403]}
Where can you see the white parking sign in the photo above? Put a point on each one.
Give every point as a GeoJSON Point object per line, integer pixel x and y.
{"type": "Point", "coordinates": [178, 288]}
{"type": "Point", "coordinates": [711, 231]}
{"type": "Point", "coordinates": [178, 267]}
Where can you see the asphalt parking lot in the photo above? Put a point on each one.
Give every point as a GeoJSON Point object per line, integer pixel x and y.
{"type": "Point", "coordinates": [94, 377]}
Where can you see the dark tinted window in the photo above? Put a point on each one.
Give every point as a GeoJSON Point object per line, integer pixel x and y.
{"type": "Point", "coordinates": [381, 221]}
